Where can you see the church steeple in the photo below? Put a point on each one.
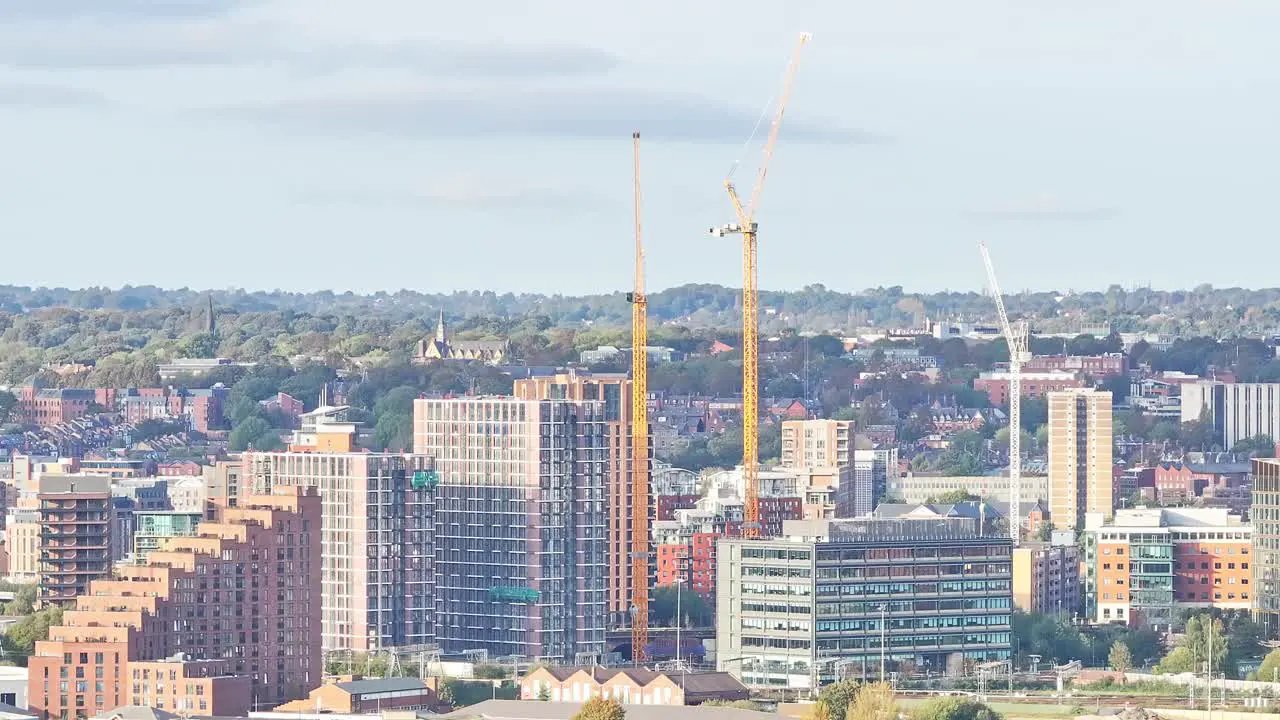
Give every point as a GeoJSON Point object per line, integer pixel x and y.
{"type": "Point", "coordinates": [440, 328]}
{"type": "Point", "coordinates": [209, 326]}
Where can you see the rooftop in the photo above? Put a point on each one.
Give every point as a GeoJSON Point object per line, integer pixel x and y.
{"type": "Point", "coordinates": [381, 685]}
{"type": "Point", "coordinates": [538, 710]}
{"type": "Point", "coordinates": [882, 529]}
{"type": "Point", "coordinates": [1144, 517]}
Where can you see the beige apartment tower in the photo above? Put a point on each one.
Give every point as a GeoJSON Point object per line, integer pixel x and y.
{"type": "Point", "coordinates": [1079, 456]}
{"type": "Point", "coordinates": [822, 451]}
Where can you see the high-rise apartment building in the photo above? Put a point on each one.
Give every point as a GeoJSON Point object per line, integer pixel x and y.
{"type": "Point", "coordinates": [1265, 515]}
{"type": "Point", "coordinates": [823, 451]}
{"type": "Point", "coordinates": [76, 514]}
{"type": "Point", "coordinates": [213, 624]}
{"type": "Point", "coordinates": [872, 469]}
{"type": "Point", "coordinates": [376, 528]}
{"type": "Point", "coordinates": [817, 443]}
{"type": "Point", "coordinates": [614, 389]}
{"type": "Point", "coordinates": [376, 547]}
{"type": "Point", "coordinates": [1080, 447]}
{"type": "Point", "coordinates": [931, 594]}
{"type": "Point", "coordinates": [521, 518]}
{"type": "Point", "coordinates": [1146, 564]}
{"type": "Point", "coordinates": [1236, 410]}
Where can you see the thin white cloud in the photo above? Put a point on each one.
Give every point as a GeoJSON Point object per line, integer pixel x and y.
{"type": "Point", "coordinates": [462, 190]}
{"type": "Point", "coordinates": [578, 112]}
{"type": "Point", "coordinates": [43, 95]}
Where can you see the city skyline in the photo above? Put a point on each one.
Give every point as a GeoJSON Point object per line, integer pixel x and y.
{"type": "Point", "coordinates": [295, 133]}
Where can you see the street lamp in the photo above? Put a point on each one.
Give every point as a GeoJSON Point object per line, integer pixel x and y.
{"type": "Point", "coordinates": [679, 592]}
{"type": "Point", "coordinates": [883, 634]}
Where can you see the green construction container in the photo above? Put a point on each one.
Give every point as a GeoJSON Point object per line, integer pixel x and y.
{"type": "Point", "coordinates": [514, 594]}
{"type": "Point", "coordinates": [428, 479]}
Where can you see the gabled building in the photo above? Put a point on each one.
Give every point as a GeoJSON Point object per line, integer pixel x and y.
{"type": "Point", "coordinates": [442, 347]}
{"type": "Point", "coordinates": [354, 695]}
{"type": "Point", "coordinates": [630, 686]}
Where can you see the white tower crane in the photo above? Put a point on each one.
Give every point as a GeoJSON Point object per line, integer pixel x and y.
{"type": "Point", "coordinates": [1016, 335]}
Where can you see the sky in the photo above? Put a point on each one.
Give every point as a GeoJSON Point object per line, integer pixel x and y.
{"type": "Point", "coordinates": [439, 146]}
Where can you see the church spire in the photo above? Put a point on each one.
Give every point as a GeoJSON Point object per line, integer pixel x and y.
{"type": "Point", "coordinates": [440, 328]}
{"type": "Point", "coordinates": [209, 326]}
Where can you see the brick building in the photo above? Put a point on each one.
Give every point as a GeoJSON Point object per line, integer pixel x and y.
{"type": "Point", "coordinates": [1034, 384]}
{"type": "Point", "coordinates": [1098, 367]}
{"type": "Point", "coordinates": [53, 406]}
{"type": "Point", "coordinates": [1178, 481]}
{"type": "Point", "coordinates": [1148, 563]}
{"type": "Point", "coordinates": [213, 624]}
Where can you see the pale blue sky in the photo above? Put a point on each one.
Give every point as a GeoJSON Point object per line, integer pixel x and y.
{"type": "Point", "coordinates": [381, 144]}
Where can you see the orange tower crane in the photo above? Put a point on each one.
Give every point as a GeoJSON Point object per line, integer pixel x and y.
{"type": "Point", "coordinates": [746, 227]}
{"type": "Point", "coordinates": [639, 437]}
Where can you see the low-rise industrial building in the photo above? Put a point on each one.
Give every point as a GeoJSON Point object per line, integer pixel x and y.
{"type": "Point", "coordinates": [630, 686]}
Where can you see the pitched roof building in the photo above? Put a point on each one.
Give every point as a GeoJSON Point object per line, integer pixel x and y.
{"type": "Point", "coordinates": [629, 685]}
{"type": "Point", "coordinates": [441, 347]}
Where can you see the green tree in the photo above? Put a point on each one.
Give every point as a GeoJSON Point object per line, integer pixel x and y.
{"type": "Point", "coordinates": [1179, 660]}
{"type": "Point", "coordinates": [599, 708]}
{"type": "Point", "coordinates": [693, 607]}
{"type": "Point", "coordinates": [1257, 446]}
{"type": "Point", "coordinates": [1204, 633]}
{"type": "Point", "coordinates": [8, 401]}
{"type": "Point", "coordinates": [1269, 671]}
{"type": "Point", "coordinates": [836, 698]}
{"type": "Point", "coordinates": [394, 431]}
{"type": "Point", "coordinates": [954, 708]}
{"type": "Point", "coordinates": [201, 345]}
{"type": "Point", "coordinates": [955, 496]}
{"type": "Point", "coordinates": [1120, 660]}
{"type": "Point", "coordinates": [23, 602]}
{"type": "Point", "coordinates": [21, 637]}
{"type": "Point", "coordinates": [255, 433]}
{"type": "Point", "coordinates": [544, 693]}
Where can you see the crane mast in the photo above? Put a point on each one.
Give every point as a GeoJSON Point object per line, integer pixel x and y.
{"type": "Point", "coordinates": [1015, 335]}
{"type": "Point", "coordinates": [746, 226]}
{"type": "Point", "coordinates": [639, 436]}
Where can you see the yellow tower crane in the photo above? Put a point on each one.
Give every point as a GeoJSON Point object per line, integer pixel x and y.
{"type": "Point", "coordinates": [746, 226]}
{"type": "Point", "coordinates": [639, 436]}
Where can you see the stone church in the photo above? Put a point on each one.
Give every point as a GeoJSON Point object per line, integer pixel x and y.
{"type": "Point", "coordinates": [492, 352]}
